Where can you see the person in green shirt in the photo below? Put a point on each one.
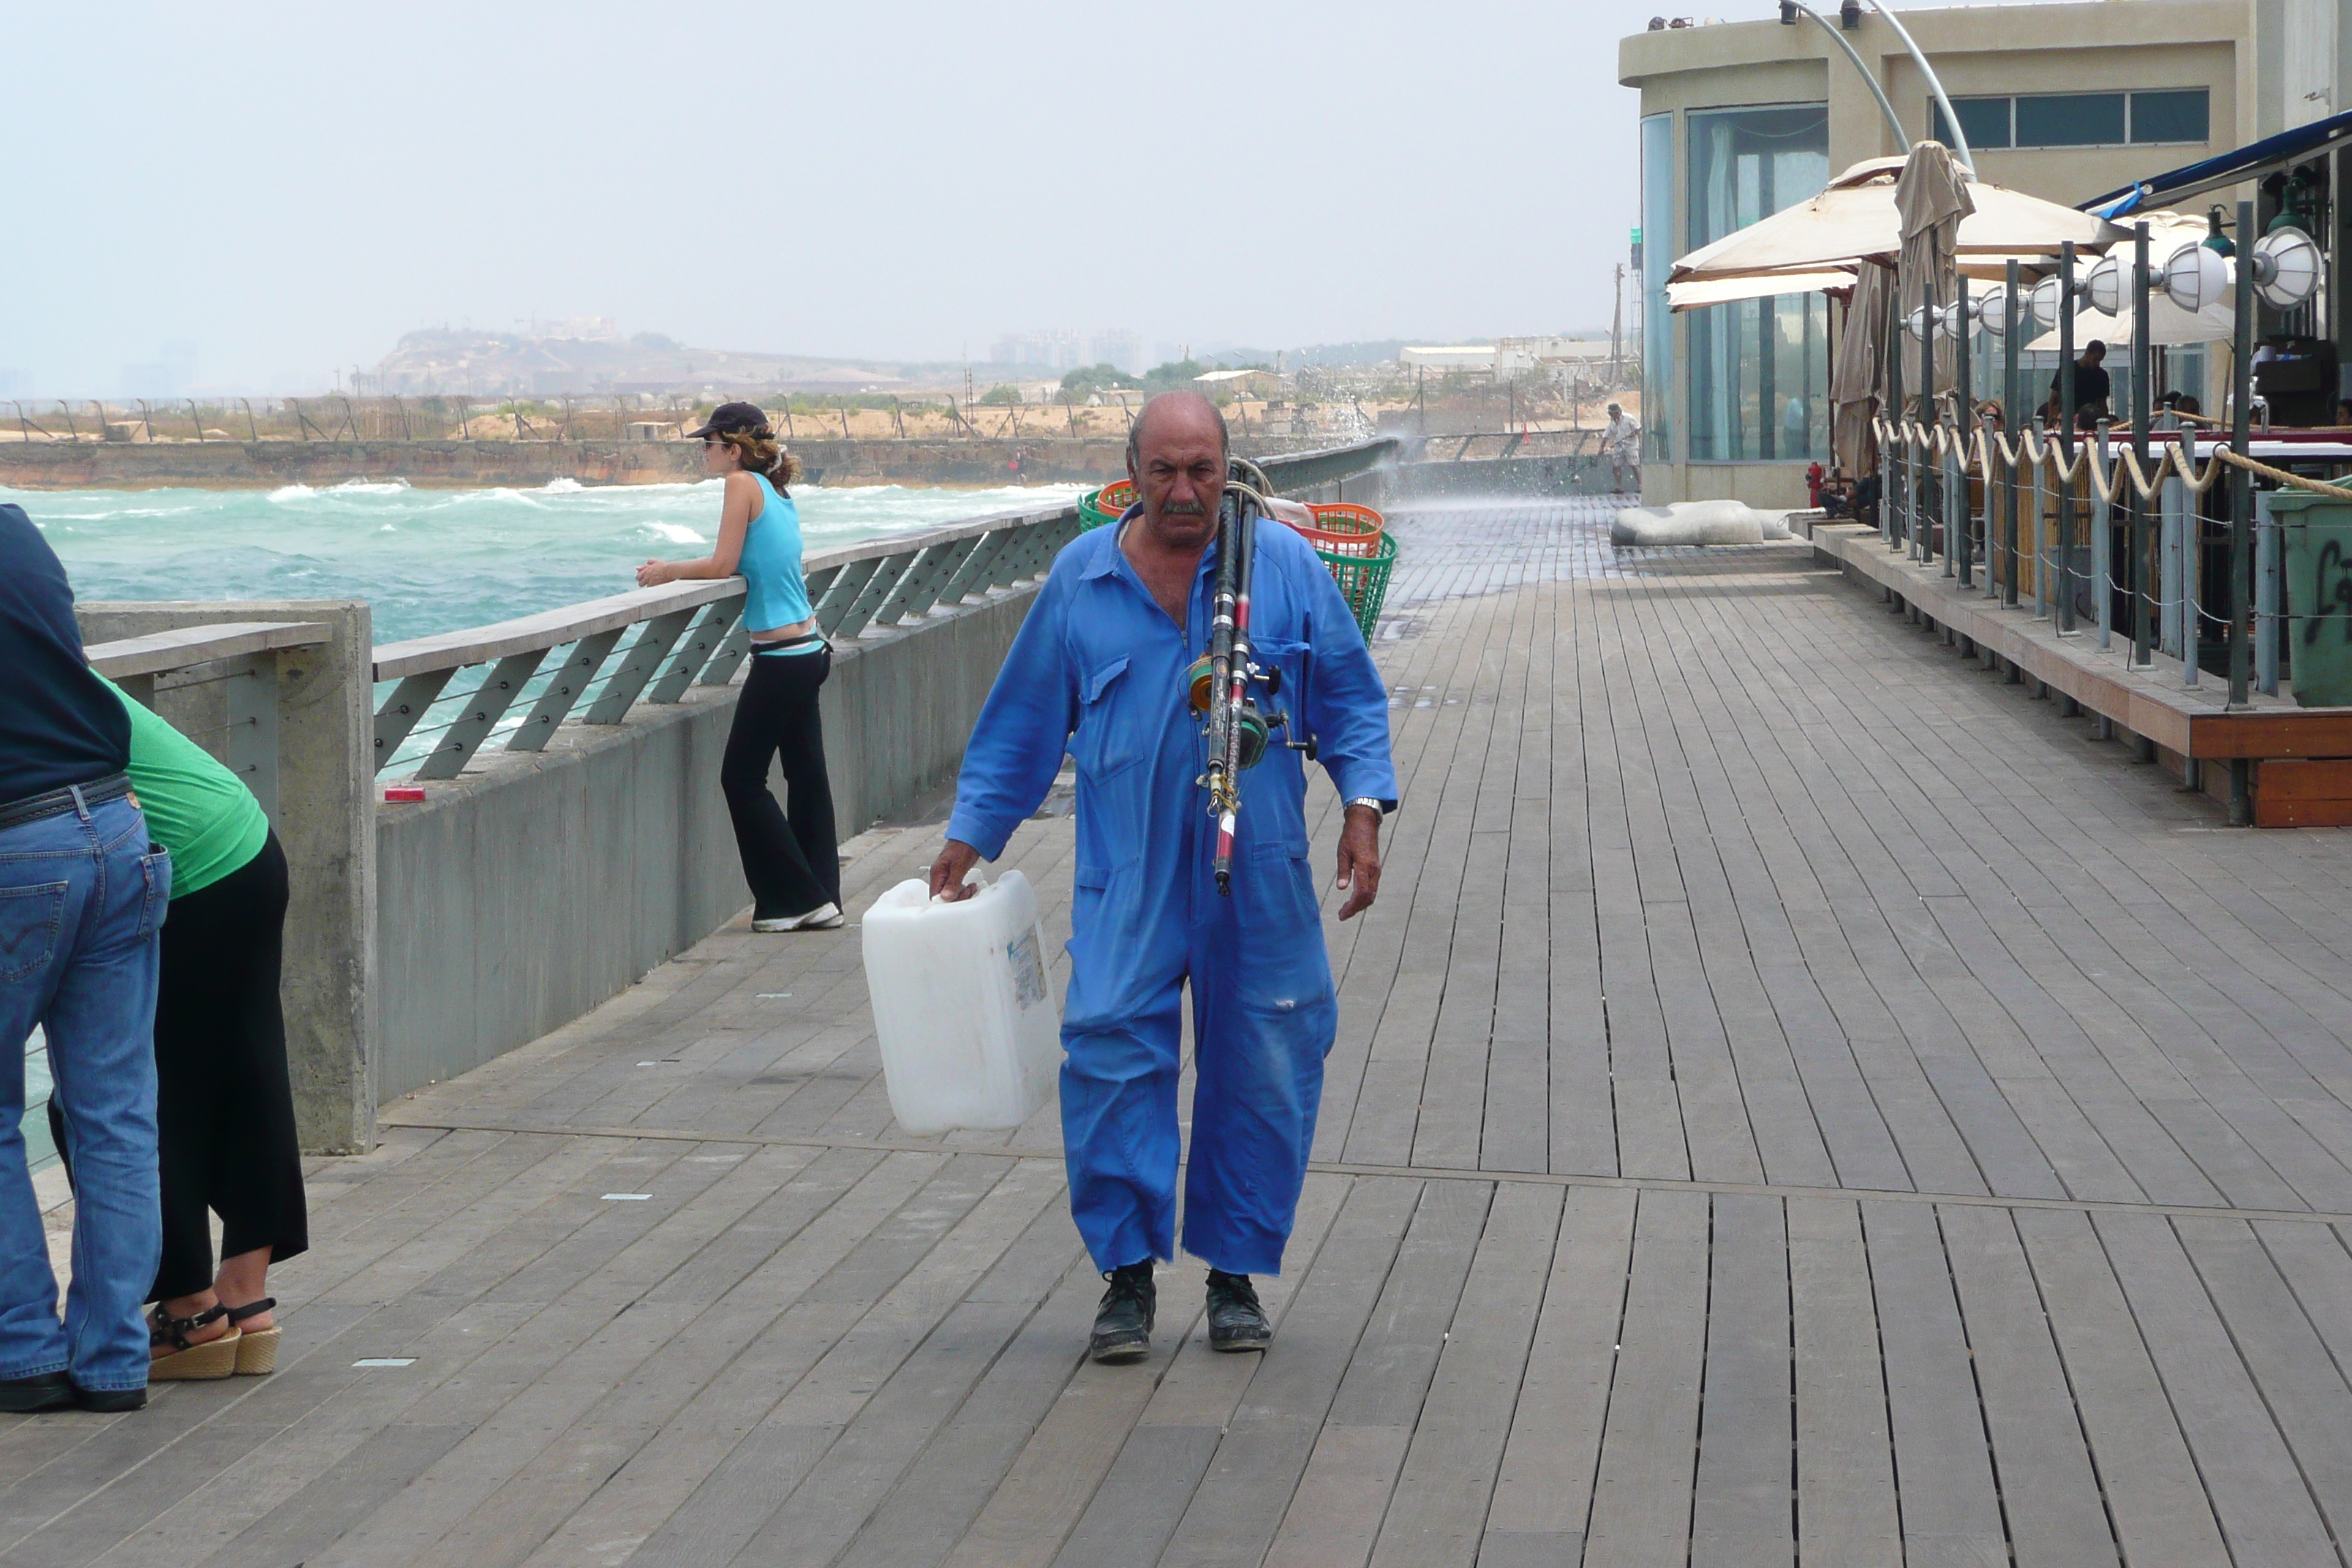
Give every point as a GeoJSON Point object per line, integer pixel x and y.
{"type": "Point", "coordinates": [225, 1110]}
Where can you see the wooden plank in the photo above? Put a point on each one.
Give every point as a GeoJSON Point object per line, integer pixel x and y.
{"type": "Point", "coordinates": [1740, 1514]}
{"type": "Point", "coordinates": [1239, 1505]}
{"type": "Point", "coordinates": [1335, 1515]}
{"type": "Point", "coordinates": [2302, 1385]}
{"type": "Point", "coordinates": [1642, 1497]}
{"type": "Point", "coordinates": [1847, 1512]}
{"type": "Point", "coordinates": [158, 652]}
{"type": "Point", "coordinates": [2279, 780]}
{"type": "Point", "coordinates": [2049, 1489]}
{"type": "Point", "coordinates": [1150, 1484]}
{"type": "Point", "coordinates": [2155, 1497]}
{"type": "Point", "coordinates": [1951, 1508]}
{"type": "Point", "coordinates": [2263, 1502]}
{"type": "Point", "coordinates": [1544, 1489]}
{"type": "Point", "coordinates": [1438, 1512]}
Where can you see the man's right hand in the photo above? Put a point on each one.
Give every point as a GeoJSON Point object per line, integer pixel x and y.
{"type": "Point", "coordinates": [948, 871]}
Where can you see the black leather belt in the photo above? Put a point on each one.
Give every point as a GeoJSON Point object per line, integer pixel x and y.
{"type": "Point", "coordinates": [73, 798]}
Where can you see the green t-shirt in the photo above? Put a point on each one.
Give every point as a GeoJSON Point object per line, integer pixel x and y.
{"type": "Point", "coordinates": [195, 808]}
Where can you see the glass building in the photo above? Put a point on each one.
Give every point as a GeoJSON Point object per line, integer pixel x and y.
{"type": "Point", "coordinates": [1741, 120]}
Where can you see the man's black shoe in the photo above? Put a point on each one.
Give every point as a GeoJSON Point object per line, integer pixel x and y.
{"type": "Point", "coordinates": [31, 1395]}
{"type": "Point", "coordinates": [1123, 1321]}
{"type": "Point", "coordinates": [110, 1401]}
{"type": "Point", "coordinates": [1237, 1322]}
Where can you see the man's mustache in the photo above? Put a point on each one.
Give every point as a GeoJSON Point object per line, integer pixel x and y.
{"type": "Point", "coordinates": [1184, 509]}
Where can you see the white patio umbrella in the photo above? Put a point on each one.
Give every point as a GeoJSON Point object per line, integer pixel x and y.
{"type": "Point", "coordinates": [1855, 220]}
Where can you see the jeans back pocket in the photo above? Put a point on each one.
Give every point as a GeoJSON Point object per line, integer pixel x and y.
{"type": "Point", "coordinates": [30, 919]}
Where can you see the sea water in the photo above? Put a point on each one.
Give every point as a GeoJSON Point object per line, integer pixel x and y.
{"type": "Point", "coordinates": [430, 559]}
{"type": "Point", "coordinates": [440, 560]}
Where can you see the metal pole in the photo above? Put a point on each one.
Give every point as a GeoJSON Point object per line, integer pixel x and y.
{"type": "Point", "coordinates": [1923, 547]}
{"type": "Point", "coordinates": [2142, 652]}
{"type": "Point", "coordinates": [1893, 121]}
{"type": "Point", "coordinates": [1887, 460]}
{"type": "Point", "coordinates": [2102, 539]}
{"type": "Point", "coordinates": [1957, 511]}
{"type": "Point", "coordinates": [2067, 437]}
{"type": "Point", "coordinates": [1935, 86]}
{"type": "Point", "coordinates": [2013, 420]}
{"type": "Point", "coordinates": [2242, 500]}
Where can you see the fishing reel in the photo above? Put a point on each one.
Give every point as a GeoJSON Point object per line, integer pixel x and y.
{"type": "Point", "coordinates": [1257, 727]}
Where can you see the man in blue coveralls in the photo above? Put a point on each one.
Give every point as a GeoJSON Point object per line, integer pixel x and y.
{"type": "Point", "coordinates": [1098, 669]}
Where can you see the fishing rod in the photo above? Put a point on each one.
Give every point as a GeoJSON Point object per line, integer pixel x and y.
{"type": "Point", "coordinates": [1218, 683]}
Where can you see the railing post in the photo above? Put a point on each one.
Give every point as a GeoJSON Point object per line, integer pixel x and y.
{"type": "Point", "coordinates": [462, 742]}
{"type": "Point", "coordinates": [655, 639]}
{"type": "Point", "coordinates": [571, 679]}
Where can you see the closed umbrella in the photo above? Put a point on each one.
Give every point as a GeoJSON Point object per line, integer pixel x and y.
{"type": "Point", "coordinates": [1931, 199]}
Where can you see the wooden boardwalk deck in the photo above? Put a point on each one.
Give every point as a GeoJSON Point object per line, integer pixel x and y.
{"type": "Point", "coordinates": [1799, 1100]}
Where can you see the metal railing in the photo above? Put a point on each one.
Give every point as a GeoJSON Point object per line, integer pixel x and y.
{"type": "Point", "coordinates": [238, 657]}
{"type": "Point", "coordinates": [686, 635]}
{"type": "Point", "coordinates": [583, 660]}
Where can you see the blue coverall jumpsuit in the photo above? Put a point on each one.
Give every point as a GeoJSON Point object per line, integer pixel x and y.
{"type": "Point", "coordinates": [1099, 668]}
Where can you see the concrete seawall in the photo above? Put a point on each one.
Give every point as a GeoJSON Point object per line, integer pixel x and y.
{"type": "Point", "coordinates": [266, 465]}
{"type": "Point", "coordinates": [522, 896]}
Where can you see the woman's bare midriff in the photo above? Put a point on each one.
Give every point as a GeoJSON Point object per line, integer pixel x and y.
{"type": "Point", "coordinates": [774, 634]}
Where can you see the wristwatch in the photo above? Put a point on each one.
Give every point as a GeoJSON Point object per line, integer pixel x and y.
{"type": "Point", "coordinates": [1383, 806]}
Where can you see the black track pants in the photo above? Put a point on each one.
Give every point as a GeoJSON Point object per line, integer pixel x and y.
{"type": "Point", "coordinates": [790, 858]}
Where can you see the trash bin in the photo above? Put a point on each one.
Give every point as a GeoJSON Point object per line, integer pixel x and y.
{"type": "Point", "coordinates": [2316, 530]}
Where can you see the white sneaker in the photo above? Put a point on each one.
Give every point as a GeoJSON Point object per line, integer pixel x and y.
{"type": "Point", "coordinates": [824, 917]}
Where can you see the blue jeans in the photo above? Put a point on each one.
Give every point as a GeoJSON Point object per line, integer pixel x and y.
{"type": "Point", "coordinates": [81, 913]}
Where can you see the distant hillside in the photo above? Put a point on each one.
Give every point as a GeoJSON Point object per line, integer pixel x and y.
{"type": "Point", "coordinates": [519, 364]}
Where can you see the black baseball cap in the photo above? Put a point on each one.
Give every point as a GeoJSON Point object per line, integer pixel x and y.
{"type": "Point", "coordinates": [731, 419]}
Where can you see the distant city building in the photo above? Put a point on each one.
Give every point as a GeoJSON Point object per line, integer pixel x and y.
{"type": "Point", "coordinates": [166, 376]}
{"type": "Point", "coordinates": [1117, 347]}
{"type": "Point", "coordinates": [1054, 350]}
{"type": "Point", "coordinates": [1451, 356]}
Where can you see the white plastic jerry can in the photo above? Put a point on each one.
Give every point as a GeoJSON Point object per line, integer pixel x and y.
{"type": "Point", "coordinates": [970, 1033]}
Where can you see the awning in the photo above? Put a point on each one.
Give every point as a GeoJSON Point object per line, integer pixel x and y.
{"type": "Point", "coordinates": [1854, 220]}
{"type": "Point", "coordinates": [1761, 286]}
{"type": "Point", "coordinates": [2250, 161]}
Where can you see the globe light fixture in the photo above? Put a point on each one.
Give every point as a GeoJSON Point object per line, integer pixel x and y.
{"type": "Point", "coordinates": [2105, 286]}
{"type": "Point", "coordinates": [2049, 299]}
{"type": "Point", "coordinates": [1952, 321]}
{"type": "Point", "coordinates": [2196, 276]}
{"type": "Point", "coordinates": [1917, 324]}
{"type": "Point", "coordinates": [1992, 313]}
{"type": "Point", "coordinates": [2286, 267]}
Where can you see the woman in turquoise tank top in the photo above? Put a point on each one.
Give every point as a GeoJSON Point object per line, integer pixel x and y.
{"type": "Point", "coordinates": [790, 854]}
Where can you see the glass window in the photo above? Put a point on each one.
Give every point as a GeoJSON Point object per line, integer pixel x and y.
{"type": "Point", "coordinates": [2071, 119]}
{"type": "Point", "coordinates": [2183, 115]}
{"type": "Point", "coordinates": [1758, 368]}
{"type": "Point", "coordinates": [1986, 121]}
{"type": "Point", "coordinates": [1658, 252]}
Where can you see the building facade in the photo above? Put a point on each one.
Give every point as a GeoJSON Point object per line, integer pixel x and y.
{"type": "Point", "coordinates": [2062, 101]}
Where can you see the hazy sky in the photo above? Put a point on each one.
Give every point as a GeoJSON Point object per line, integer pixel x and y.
{"type": "Point", "coordinates": [287, 188]}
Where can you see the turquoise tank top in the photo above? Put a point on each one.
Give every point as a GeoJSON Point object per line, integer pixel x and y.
{"type": "Point", "coordinates": [770, 565]}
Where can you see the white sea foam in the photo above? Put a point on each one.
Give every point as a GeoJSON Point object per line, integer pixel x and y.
{"type": "Point", "coordinates": [563, 487]}
{"type": "Point", "coordinates": [286, 493]}
{"type": "Point", "coordinates": [372, 487]}
{"type": "Point", "coordinates": [677, 534]}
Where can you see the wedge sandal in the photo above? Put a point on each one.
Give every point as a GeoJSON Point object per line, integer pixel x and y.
{"type": "Point", "coordinates": [189, 1360]}
{"type": "Point", "coordinates": [257, 1349]}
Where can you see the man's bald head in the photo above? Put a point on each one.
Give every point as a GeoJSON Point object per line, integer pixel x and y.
{"type": "Point", "coordinates": [1171, 412]}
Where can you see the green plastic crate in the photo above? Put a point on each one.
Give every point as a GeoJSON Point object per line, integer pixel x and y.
{"type": "Point", "coordinates": [1364, 581]}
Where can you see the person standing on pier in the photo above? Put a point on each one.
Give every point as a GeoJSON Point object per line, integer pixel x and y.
{"type": "Point", "coordinates": [1099, 669]}
{"type": "Point", "coordinates": [790, 854]}
{"type": "Point", "coordinates": [82, 895]}
{"type": "Point", "coordinates": [1622, 440]}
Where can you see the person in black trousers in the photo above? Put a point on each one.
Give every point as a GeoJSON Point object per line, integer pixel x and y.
{"type": "Point", "coordinates": [789, 856]}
